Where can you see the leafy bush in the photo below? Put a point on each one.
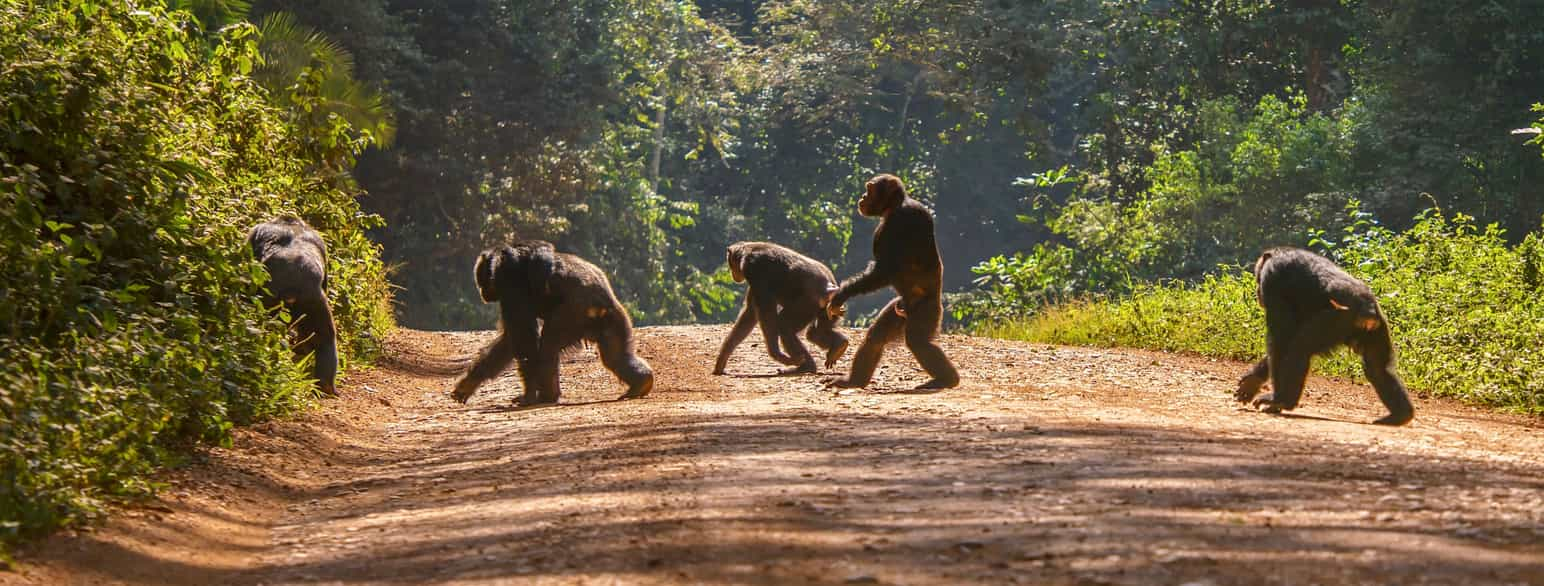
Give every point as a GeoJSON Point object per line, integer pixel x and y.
{"type": "Point", "coordinates": [133, 158]}
{"type": "Point", "coordinates": [1466, 308]}
{"type": "Point", "coordinates": [1254, 175]}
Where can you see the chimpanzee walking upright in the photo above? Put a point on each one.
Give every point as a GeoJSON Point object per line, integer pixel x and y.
{"type": "Point", "coordinates": [1312, 307]}
{"type": "Point", "coordinates": [906, 259]}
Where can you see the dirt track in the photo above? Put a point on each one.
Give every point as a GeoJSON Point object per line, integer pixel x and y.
{"type": "Point", "coordinates": [1049, 465]}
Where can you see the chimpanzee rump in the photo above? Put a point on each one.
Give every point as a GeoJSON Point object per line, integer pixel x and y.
{"type": "Point", "coordinates": [906, 259]}
{"type": "Point", "coordinates": [778, 276]}
{"type": "Point", "coordinates": [296, 259]}
{"type": "Point", "coordinates": [573, 302]}
{"type": "Point", "coordinates": [1312, 307]}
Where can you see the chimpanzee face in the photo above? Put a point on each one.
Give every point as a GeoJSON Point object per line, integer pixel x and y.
{"type": "Point", "coordinates": [734, 257]}
{"type": "Point", "coordinates": [881, 194]}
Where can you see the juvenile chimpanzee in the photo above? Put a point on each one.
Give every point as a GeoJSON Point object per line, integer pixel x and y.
{"type": "Point", "coordinates": [296, 259]}
{"type": "Point", "coordinates": [574, 303]}
{"type": "Point", "coordinates": [906, 259]}
{"type": "Point", "coordinates": [1311, 307]}
{"type": "Point", "coordinates": [778, 276]}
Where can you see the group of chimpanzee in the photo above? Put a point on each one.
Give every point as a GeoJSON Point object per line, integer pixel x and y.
{"type": "Point", "coordinates": [550, 302]}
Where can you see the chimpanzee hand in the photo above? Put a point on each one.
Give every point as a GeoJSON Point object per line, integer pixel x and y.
{"type": "Point", "coordinates": [834, 311]}
{"type": "Point", "coordinates": [464, 389]}
{"type": "Point", "coordinates": [1248, 387]}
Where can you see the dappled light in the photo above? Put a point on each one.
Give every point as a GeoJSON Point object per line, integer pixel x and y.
{"type": "Point", "coordinates": [771, 291]}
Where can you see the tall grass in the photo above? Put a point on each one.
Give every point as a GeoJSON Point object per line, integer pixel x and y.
{"type": "Point", "coordinates": [1466, 309]}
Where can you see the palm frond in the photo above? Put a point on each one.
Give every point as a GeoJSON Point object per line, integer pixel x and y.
{"type": "Point", "coordinates": [290, 48]}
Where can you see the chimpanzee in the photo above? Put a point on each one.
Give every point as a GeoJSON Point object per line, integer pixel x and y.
{"type": "Point", "coordinates": [906, 259]}
{"type": "Point", "coordinates": [296, 259]}
{"type": "Point", "coordinates": [779, 276]}
{"type": "Point", "coordinates": [1311, 307]}
{"type": "Point", "coordinates": [573, 302]}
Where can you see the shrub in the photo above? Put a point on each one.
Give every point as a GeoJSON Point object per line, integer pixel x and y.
{"type": "Point", "coordinates": [133, 157]}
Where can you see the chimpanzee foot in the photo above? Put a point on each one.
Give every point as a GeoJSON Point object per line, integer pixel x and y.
{"type": "Point", "coordinates": [835, 353]}
{"type": "Point", "coordinates": [806, 367]}
{"type": "Point", "coordinates": [1267, 404]}
{"type": "Point", "coordinates": [939, 383]}
{"type": "Point", "coordinates": [533, 399]}
{"type": "Point", "coordinates": [1395, 419]}
{"type": "Point", "coordinates": [846, 383]}
{"type": "Point", "coordinates": [786, 360]}
{"type": "Point", "coordinates": [640, 390]}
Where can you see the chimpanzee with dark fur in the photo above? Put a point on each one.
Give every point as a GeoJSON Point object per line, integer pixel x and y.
{"type": "Point", "coordinates": [573, 301]}
{"type": "Point", "coordinates": [906, 259]}
{"type": "Point", "coordinates": [296, 259]}
{"type": "Point", "coordinates": [1311, 307]}
{"type": "Point", "coordinates": [778, 276]}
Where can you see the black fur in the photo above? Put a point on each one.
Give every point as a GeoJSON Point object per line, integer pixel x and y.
{"type": "Point", "coordinates": [296, 259]}
{"type": "Point", "coordinates": [1312, 307]}
{"type": "Point", "coordinates": [573, 302]}
{"type": "Point", "coordinates": [786, 292]}
{"type": "Point", "coordinates": [906, 259]}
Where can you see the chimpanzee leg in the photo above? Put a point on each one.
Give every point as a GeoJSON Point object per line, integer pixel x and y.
{"type": "Point", "coordinates": [771, 328]}
{"type": "Point", "coordinates": [824, 335]}
{"type": "Point", "coordinates": [1378, 364]}
{"type": "Point", "coordinates": [1289, 366]}
{"type": "Point", "coordinates": [791, 322]}
{"type": "Point", "coordinates": [1281, 324]}
{"type": "Point", "coordinates": [560, 331]}
{"type": "Point", "coordinates": [888, 327]}
{"type": "Point", "coordinates": [614, 341]}
{"type": "Point", "coordinates": [742, 328]}
{"type": "Point", "coordinates": [923, 318]}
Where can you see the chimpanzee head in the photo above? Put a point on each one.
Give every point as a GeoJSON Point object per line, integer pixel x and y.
{"type": "Point", "coordinates": [484, 273]}
{"type": "Point", "coordinates": [736, 258]}
{"type": "Point", "coordinates": [881, 194]}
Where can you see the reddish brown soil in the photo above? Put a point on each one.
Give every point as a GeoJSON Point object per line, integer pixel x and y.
{"type": "Point", "coordinates": [1048, 466]}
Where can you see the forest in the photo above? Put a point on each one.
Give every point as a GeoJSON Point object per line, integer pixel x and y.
{"type": "Point", "coordinates": [1101, 172]}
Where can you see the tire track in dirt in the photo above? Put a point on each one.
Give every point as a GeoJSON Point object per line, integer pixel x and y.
{"type": "Point", "coordinates": [1048, 466]}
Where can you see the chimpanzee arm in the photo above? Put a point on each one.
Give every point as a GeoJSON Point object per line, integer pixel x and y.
{"type": "Point", "coordinates": [518, 338]}
{"type": "Point", "coordinates": [318, 335]}
{"type": "Point", "coordinates": [1377, 352]}
{"type": "Point", "coordinates": [742, 328]}
{"type": "Point", "coordinates": [889, 251]}
{"type": "Point", "coordinates": [541, 263]}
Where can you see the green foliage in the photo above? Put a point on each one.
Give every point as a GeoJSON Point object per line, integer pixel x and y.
{"type": "Point", "coordinates": [1467, 310]}
{"type": "Point", "coordinates": [1203, 206]}
{"type": "Point", "coordinates": [292, 52]}
{"type": "Point", "coordinates": [130, 169]}
{"type": "Point", "coordinates": [1171, 136]}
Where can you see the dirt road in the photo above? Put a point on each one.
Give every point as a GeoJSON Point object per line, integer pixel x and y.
{"type": "Point", "coordinates": [1048, 466]}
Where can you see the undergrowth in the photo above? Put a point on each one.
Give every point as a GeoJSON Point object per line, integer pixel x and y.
{"type": "Point", "coordinates": [1466, 310]}
{"type": "Point", "coordinates": [134, 155]}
